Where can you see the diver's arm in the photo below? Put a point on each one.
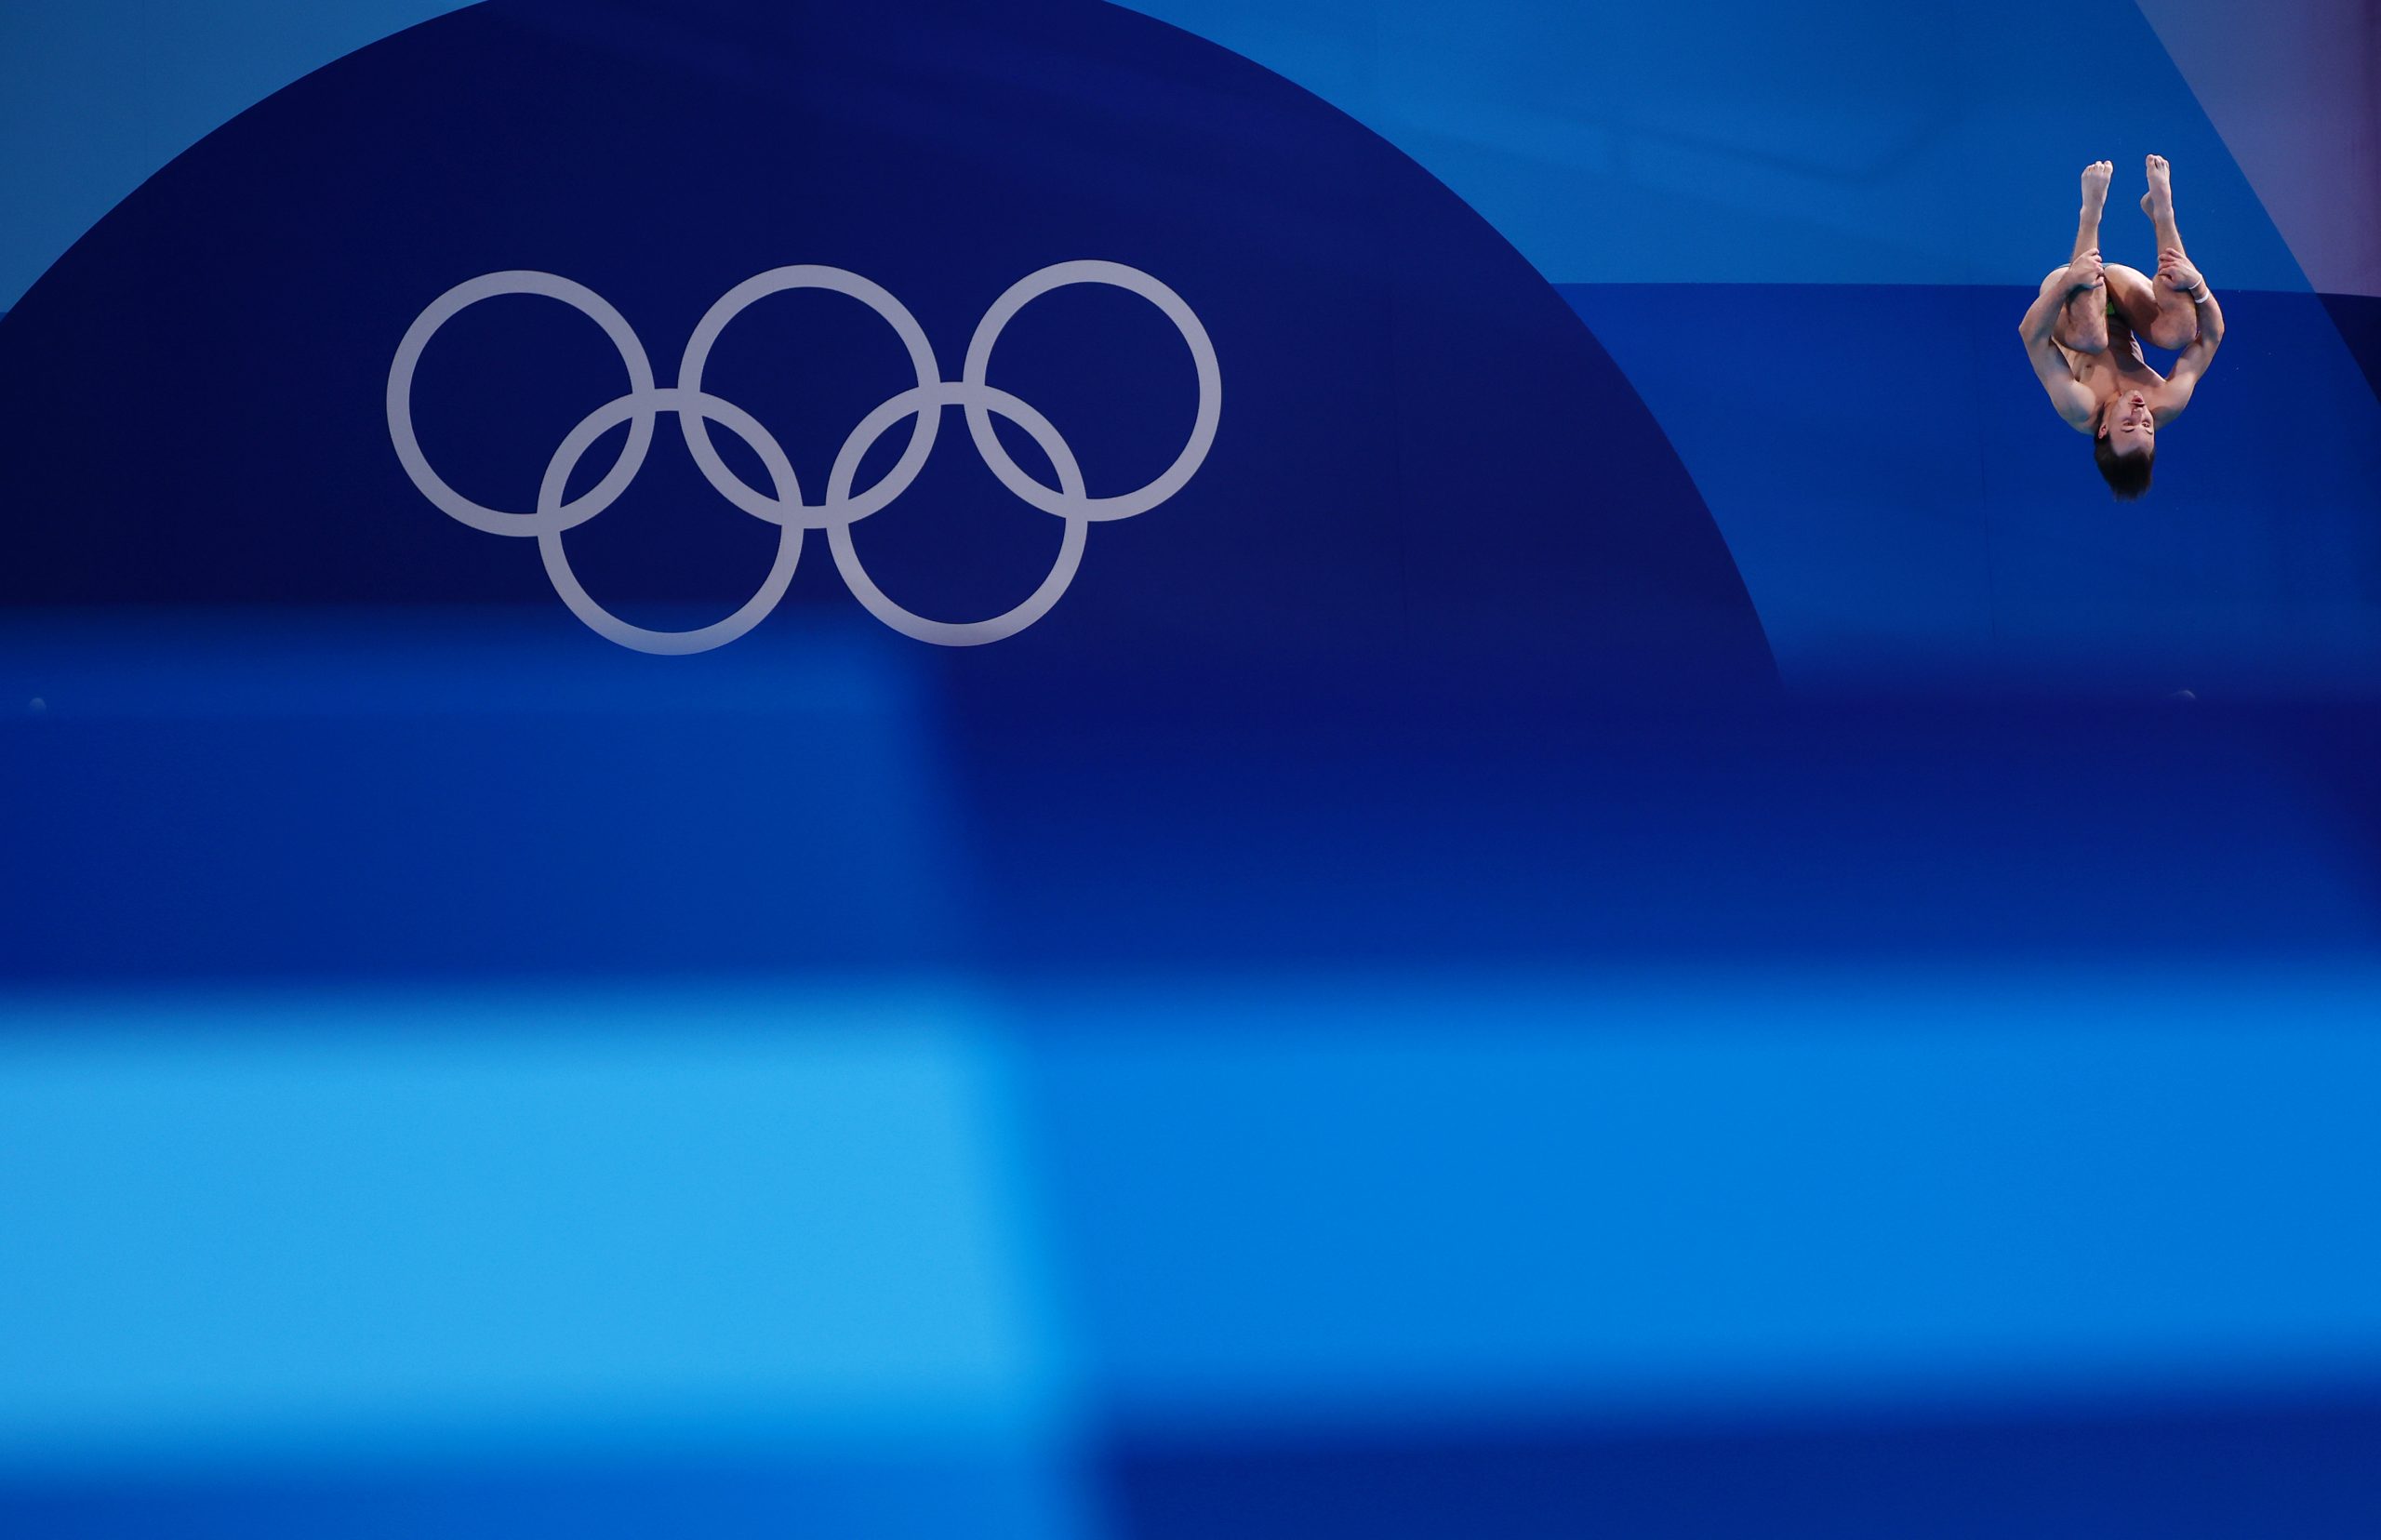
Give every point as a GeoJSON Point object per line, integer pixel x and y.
{"type": "Point", "coordinates": [2041, 318]}
{"type": "Point", "coordinates": [2176, 272]}
{"type": "Point", "coordinates": [2074, 402]}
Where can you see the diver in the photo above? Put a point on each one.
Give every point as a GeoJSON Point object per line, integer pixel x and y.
{"type": "Point", "coordinates": [2081, 335]}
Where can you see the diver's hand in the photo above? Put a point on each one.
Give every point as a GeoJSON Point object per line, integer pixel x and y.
{"type": "Point", "coordinates": [2084, 272]}
{"type": "Point", "coordinates": [2176, 272]}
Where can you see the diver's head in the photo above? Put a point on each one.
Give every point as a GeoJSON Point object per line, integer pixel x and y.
{"type": "Point", "coordinates": [2125, 444]}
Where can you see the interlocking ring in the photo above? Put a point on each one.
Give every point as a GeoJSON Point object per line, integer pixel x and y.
{"type": "Point", "coordinates": [840, 507]}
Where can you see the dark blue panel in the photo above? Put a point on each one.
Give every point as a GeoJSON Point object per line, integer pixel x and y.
{"type": "Point", "coordinates": [1020, 831]}
{"type": "Point", "coordinates": [2153, 1473]}
{"type": "Point", "coordinates": [1910, 514]}
{"type": "Point", "coordinates": [458, 794]}
{"type": "Point", "coordinates": [1520, 829]}
{"type": "Point", "coordinates": [2358, 319]}
{"type": "Point", "coordinates": [427, 848]}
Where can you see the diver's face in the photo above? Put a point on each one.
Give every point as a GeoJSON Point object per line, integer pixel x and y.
{"type": "Point", "coordinates": [2127, 424]}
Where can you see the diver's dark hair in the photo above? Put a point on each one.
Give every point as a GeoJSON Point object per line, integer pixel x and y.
{"type": "Point", "coordinates": [2127, 475]}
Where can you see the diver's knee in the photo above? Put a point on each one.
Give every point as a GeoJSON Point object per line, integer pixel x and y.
{"type": "Point", "coordinates": [2174, 332]}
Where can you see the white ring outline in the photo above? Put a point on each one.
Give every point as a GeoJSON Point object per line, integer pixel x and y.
{"type": "Point", "coordinates": [925, 401]}
{"type": "Point", "coordinates": [603, 622]}
{"type": "Point", "coordinates": [777, 280]}
{"type": "Point", "coordinates": [494, 521]}
{"type": "Point", "coordinates": [696, 408]}
{"type": "Point", "coordinates": [1202, 358]}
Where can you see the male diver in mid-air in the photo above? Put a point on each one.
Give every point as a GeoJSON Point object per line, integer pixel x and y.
{"type": "Point", "coordinates": [2080, 335]}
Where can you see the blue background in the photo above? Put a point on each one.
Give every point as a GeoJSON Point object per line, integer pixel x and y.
{"type": "Point", "coordinates": [1218, 1062]}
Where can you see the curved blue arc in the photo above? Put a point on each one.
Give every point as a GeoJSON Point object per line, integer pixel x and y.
{"type": "Point", "coordinates": [1316, 535]}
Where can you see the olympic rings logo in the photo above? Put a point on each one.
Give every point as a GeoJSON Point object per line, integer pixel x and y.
{"type": "Point", "coordinates": [783, 505]}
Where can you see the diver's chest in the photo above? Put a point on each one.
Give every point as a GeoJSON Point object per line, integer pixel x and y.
{"type": "Point", "coordinates": [2110, 372]}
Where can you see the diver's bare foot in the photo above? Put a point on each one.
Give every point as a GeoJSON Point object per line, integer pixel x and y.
{"type": "Point", "coordinates": [2095, 185]}
{"type": "Point", "coordinates": [2159, 202]}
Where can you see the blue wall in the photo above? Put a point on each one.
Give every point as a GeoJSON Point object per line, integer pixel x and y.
{"type": "Point", "coordinates": [1639, 910]}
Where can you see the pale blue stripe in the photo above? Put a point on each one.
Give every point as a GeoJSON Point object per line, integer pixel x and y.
{"type": "Point", "coordinates": [272, 1229]}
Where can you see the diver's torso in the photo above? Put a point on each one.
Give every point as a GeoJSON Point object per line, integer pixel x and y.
{"type": "Point", "coordinates": [2120, 368]}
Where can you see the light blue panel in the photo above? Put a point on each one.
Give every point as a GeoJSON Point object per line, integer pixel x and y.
{"type": "Point", "coordinates": [96, 95]}
{"type": "Point", "coordinates": [273, 1229]}
{"type": "Point", "coordinates": [1348, 1198]}
{"type": "Point", "coordinates": [1705, 141]}
{"type": "Point", "coordinates": [1713, 141]}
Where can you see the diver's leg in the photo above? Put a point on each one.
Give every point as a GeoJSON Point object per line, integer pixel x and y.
{"type": "Point", "coordinates": [2177, 321]}
{"type": "Point", "coordinates": [2135, 294]}
{"type": "Point", "coordinates": [2084, 325]}
{"type": "Point", "coordinates": [2071, 329]}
